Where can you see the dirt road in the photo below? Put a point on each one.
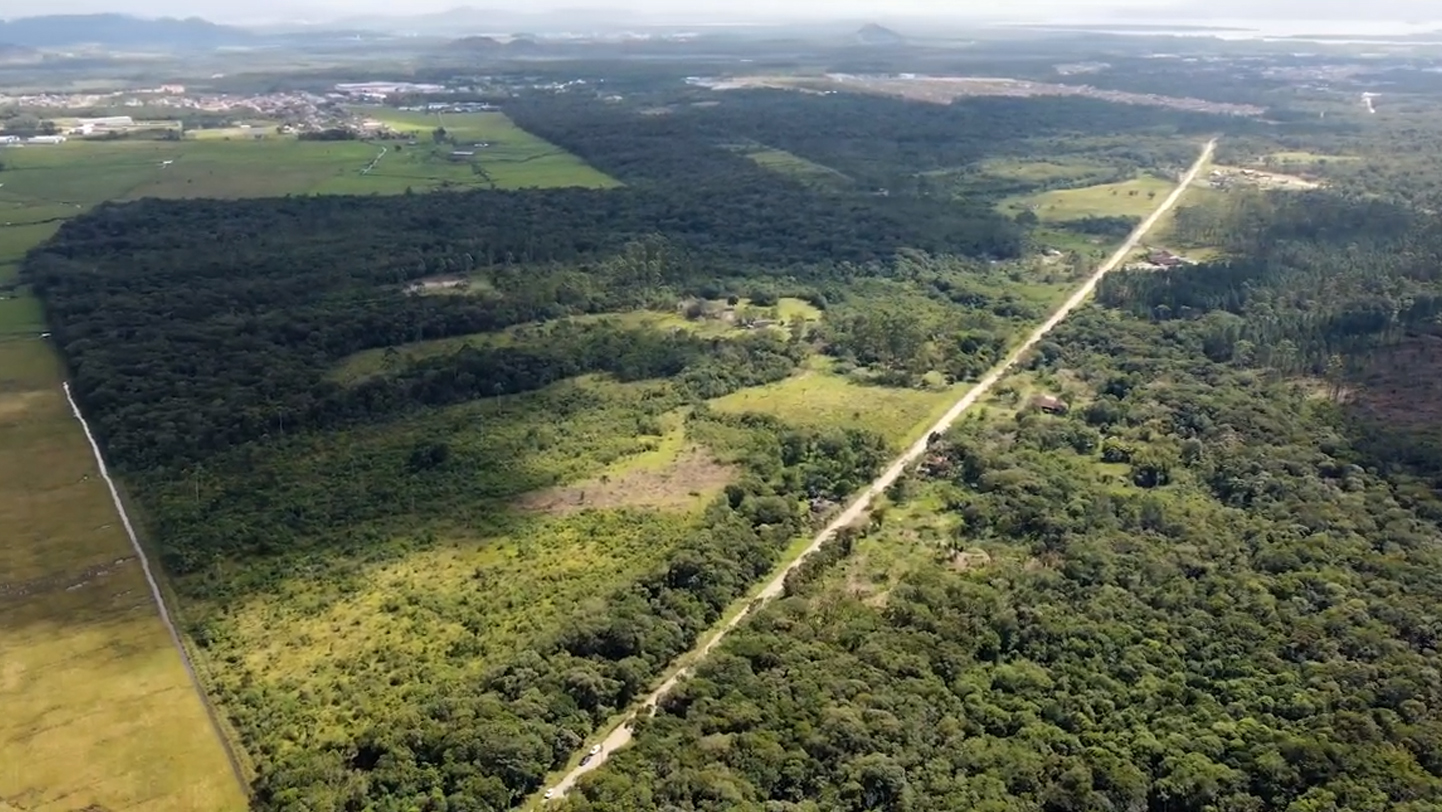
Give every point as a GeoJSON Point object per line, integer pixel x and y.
{"type": "Point", "coordinates": [620, 736]}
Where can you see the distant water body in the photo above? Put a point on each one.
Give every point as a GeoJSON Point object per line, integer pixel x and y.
{"type": "Point", "coordinates": [1303, 30]}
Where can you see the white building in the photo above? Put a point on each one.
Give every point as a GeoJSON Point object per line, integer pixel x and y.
{"type": "Point", "coordinates": [107, 122]}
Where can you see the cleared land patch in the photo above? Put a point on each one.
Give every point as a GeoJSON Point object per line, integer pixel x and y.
{"type": "Point", "coordinates": [1296, 157]}
{"type": "Point", "coordinates": [1132, 198]}
{"type": "Point", "coordinates": [673, 475]}
{"type": "Point", "coordinates": [368, 363]}
{"type": "Point", "coordinates": [945, 89]}
{"type": "Point", "coordinates": [817, 397]}
{"type": "Point", "coordinates": [1398, 386]}
{"type": "Point", "coordinates": [788, 163]}
{"type": "Point", "coordinates": [1047, 171]}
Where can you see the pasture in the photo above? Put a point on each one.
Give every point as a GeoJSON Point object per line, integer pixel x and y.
{"type": "Point", "coordinates": [100, 710]}
{"type": "Point", "coordinates": [1132, 198]}
{"type": "Point", "coordinates": [504, 156]}
{"type": "Point", "coordinates": [69, 177]}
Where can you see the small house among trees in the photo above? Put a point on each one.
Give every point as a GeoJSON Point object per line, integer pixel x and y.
{"type": "Point", "coordinates": [1051, 404]}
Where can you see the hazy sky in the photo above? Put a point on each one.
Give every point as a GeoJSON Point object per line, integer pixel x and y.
{"type": "Point", "coordinates": [1035, 10]}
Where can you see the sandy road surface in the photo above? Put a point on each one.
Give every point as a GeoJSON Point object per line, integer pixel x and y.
{"type": "Point", "coordinates": [621, 735]}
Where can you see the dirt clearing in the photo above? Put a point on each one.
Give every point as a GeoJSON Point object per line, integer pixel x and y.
{"type": "Point", "coordinates": [692, 477]}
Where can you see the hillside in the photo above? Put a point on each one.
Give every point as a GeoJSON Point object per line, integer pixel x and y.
{"type": "Point", "coordinates": [16, 54]}
{"type": "Point", "coordinates": [120, 31]}
{"type": "Point", "coordinates": [873, 34]}
{"type": "Point", "coordinates": [474, 44]}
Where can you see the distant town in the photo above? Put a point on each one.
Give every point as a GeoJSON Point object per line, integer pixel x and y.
{"type": "Point", "coordinates": [166, 107]}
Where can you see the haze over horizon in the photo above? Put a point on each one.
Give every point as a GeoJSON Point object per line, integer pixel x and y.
{"type": "Point", "coordinates": [1192, 11]}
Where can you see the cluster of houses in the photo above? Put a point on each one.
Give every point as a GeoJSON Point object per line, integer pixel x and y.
{"type": "Point", "coordinates": [1160, 259]}
{"type": "Point", "coordinates": [15, 140]}
{"type": "Point", "coordinates": [1230, 179]}
{"type": "Point", "coordinates": [82, 127]}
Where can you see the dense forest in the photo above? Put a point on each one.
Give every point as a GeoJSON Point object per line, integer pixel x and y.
{"type": "Point", "coordinates": [876, 141]}
{"type": "Point", "coordinates": [1199, 589]}
{"type": "Point", "coordinates": [1312, 280]}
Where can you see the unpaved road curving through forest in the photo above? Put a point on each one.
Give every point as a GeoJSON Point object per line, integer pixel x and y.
{"type": "Point", "coordinates": [621, 735]}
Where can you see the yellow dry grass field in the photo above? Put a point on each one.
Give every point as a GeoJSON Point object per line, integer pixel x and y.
{"type": "Point", "coordinates": [98, 711]}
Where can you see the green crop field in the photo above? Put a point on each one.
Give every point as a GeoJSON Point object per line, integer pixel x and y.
{"type": "Point", "coordinates": [84, 173]}
{"type": "Point", "coordinates": [1132, 198]}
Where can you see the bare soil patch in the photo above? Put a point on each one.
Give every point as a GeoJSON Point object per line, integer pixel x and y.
{"type": "Point", "coordinates": [438, 285]}
{"type": "Point", "coordinates": [694, 475]}
{"type": "Point", "coordinates": [946, 89]}
{"type": "Point", "coordinates": [1401, 386]}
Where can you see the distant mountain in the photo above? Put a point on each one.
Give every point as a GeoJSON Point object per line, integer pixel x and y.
{"type": "Point", "coordinates": [873, 34]}
{"type": "Point", "coordinates": [474, 44]}
{"type": "Point", "coordinates": [120, 31]}
{"type": "Point", "coordinates": [470, 20]}
{"type": "Point", "coordinates": [18, 55]}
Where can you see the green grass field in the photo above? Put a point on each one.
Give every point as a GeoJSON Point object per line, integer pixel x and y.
{"type": "Point", "coordinates": [1133, 198]}
{"type": "Point", "coordinates": [786, 163]}
{"type": "Point", "coordinates": [820, 398]}
{"type": "Point", "coordinates": [511, 158]}
{"type": "Point", "coordinates": [81, 173]}
{"type": "Point", "coordinates": [20, 315]}
{"type": "Point", "coordinates": [1043, 171]}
